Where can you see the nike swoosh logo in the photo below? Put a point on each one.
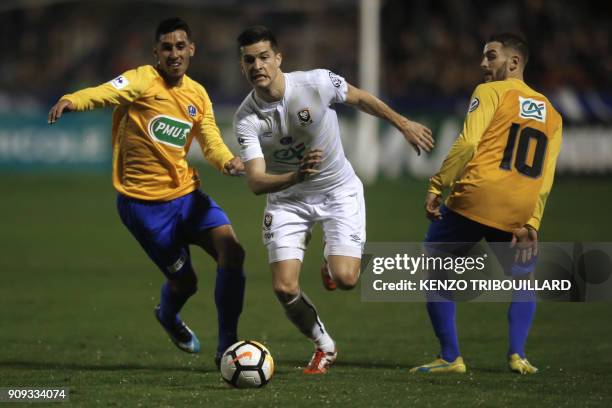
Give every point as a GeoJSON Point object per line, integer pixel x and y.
{"type": "Point", "coordinates": [245, 354]}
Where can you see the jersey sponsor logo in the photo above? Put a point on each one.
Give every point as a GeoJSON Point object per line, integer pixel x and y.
{"type": "Point", "coordinates": [191, 110]}
{"type": "Point", "coordinates": [291, 155]}
{"type": "Point", "coordinates": [120, 82]}
{"type": "Point", "coordinates": [304, 117]}
{"type": "Point", "coordinates": [267, 221]}
{"type": "Point", "coordinates": [336, 80]}
{"type": "Point", "coordinates": [169, 131]}
{"type": "Point", "coordinates": [530, 108]}
{"type": "Point", "coordinates": [474, 105]}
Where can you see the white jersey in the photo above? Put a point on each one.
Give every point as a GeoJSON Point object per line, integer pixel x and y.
{"type": "Point", "coordinates": [282, 132]}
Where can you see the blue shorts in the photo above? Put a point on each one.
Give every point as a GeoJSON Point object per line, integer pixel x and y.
{"type": "Point", "coordinates": [165, 229]}
{"type": "Point", "coordinates": [464, 233]}
{"type": "Point", "coordinates": [454, 227]}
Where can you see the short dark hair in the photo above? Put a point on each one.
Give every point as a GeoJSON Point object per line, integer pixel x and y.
{"type": "Point", "coordinates": [514, 41]}
{"type": "Point", "coordinates": [172, 24]}
{"type": "Point", "coordinates": [256, 34]}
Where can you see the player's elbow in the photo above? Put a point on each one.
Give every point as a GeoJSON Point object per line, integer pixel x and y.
{"type": "Point", "coordinates": [256, 186]}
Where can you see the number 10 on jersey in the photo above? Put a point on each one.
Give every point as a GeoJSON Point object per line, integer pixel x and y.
{"type": "Point", "coordinates": [524, 136]}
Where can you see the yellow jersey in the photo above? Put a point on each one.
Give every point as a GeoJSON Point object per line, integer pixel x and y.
{"type": "Point", "coordinates": [153, 128]}
{"type": "Point", "coordinates": [501, 167]}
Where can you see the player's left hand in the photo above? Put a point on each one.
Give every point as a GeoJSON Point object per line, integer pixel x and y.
{"type": "Point", "coordinates": [417, 135]}
{"type": "Point", "coordinates": [526, 241]}
{"type": "Point", "coordinates": [234, 167]}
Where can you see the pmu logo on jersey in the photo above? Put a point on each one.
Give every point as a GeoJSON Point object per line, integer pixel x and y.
{"type": "Point", "coordinates": [169, 131]}
{"type": "Point", "coordinates": [532, 109]}
{"type": "Point", "coordinates": [304, 117]}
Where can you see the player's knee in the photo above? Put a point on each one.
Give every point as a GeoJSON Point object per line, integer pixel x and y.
{"type": "Point", "coordinates": [345, 276]}
{"type": "Point", "coordinates": [186, 284]}
{"type": "Point", "coordinates": [232, 255]}
{"type": "Point", "coordinates": [285, 291]}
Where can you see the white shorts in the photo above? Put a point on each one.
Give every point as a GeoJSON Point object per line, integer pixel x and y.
{"type": "Point", "coordinates": [288, 222]}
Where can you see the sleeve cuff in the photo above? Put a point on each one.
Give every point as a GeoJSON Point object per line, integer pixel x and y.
{"type": "Point", "coordinates": [533, 223]}
{"type": "Point", "coordinates": [73, 100]}
{"type": "Point", "coordinates": [434, 187]}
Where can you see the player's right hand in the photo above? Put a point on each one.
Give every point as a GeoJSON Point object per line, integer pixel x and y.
{"type": "Point", "coordinates": [310, 163]}
{"type": "Point", "coordinates": [419, 136]}
{"type": "Point", "coordinates": [432, 207]}
{"type": "Point", "coordinates": [56, 111]}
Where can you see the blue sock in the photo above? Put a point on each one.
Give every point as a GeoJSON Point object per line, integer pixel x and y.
{"type": "Point", "coordinates": [442, 315]}
{"type": "Point", "coordinates": [520, 316]}
{"type": "Point", "coordinates": [229, 296]}
{"type": "Point", "coordinates": [171, 304]}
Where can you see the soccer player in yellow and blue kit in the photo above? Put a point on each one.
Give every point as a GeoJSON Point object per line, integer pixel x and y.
{"type": "Point", "coordinates": [158, 112]}
{"type": "Point", "coordinates": [499, 171]}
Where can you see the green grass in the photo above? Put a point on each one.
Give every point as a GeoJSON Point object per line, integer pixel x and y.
{"type": "Point", "coordinates": [77, 294]}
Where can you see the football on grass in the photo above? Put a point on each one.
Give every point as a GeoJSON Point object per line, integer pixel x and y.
{"type": "Point", "coordinates": [247, 364]}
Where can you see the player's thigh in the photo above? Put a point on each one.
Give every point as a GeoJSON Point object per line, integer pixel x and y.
{"type": "Point", "coordinates": [454, 227]}
{"type": "Point", "coordinates": [154, 226]}
{"type": "Point", "coordinates": [453, 235]}
{"type": "Point", "coordinates": [286, 278]}
{"type": "Point", "coordinates": [221, 244]}
{"type": "Point", "coordinates": [205, 224]}
{"type": "Point", "coordinates": [343, 220]}
{"type": "Point", "coordinates": [506, 256]}
{"type": "Point", "coordinates": [286, 229]}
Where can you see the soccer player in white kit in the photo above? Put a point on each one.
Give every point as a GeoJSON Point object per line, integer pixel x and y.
{"type": "Point", "coordinates": [290, 143]}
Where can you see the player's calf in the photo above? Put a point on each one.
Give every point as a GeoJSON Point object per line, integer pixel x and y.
{"type": "Point", "coordinates": [328, 280]}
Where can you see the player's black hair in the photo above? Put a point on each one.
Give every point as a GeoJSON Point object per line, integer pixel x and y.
{"type": "Point", "coordinates": [256, 34]}
{"type": "Point", "coordinates": [172, 24]}
{"type": "Point", "coordinates": [513, 41]}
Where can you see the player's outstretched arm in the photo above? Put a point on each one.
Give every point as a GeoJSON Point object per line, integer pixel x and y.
{"type": "Point", "coordinates": [58, 109]}
{"type": "Point", "coordinates": [261, 182]}
{"type": "Point", "coordinates": [416, 134]}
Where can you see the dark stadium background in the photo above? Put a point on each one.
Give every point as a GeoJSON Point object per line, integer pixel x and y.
{"type": "Point", "coordinates": [76, 292]}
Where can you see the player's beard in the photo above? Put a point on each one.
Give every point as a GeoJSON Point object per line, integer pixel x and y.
{"type": "Point", "coordinates": [501, 73]}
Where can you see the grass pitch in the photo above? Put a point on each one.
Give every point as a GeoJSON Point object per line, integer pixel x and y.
{"type": "Point", "coordinates": [77, 296]}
